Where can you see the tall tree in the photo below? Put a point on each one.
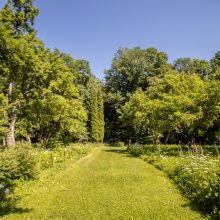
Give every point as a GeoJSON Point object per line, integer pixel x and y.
{"type": "Point", "coordinates": [180, 103]}
{"type": "Point", "coordinates": [96, 115]}
{"type": "Point", "coordinates": [215, 64]}
{"type": "Point", "coordinates": [16, 20]}
{"type": "Point", "coordinates": [200, 67]}
{"type": "Point", "coordinates": [19, 15]}
{"type": "Point", "coordinates": [131, 69]}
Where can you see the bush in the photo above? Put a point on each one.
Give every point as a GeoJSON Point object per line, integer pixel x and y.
{"type": "Point", "coordinates": [16, 163]}
{"type": "Point", "coordinates": [170, 150]}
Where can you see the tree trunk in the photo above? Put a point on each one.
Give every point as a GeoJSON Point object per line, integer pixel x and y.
{"type": "Point", "coordinates": [3, 141]}
{"type": "Point", "coordinates": [12, 115]}
{"type": "Point", "coordinates": [28, 139]}
{"type": "Point", "coordinates": [11, 133]}
{"type": "Point", "coordinates": [11, 120]}
{"type": "Point", "coordinates": [167, 138]}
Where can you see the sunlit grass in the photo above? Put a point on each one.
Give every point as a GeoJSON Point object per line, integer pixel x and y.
{"type": "Point", "coordinates": [107, 185]}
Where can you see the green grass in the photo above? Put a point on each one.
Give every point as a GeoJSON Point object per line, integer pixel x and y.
{"type": "Point", "coordinates": [109, 184]}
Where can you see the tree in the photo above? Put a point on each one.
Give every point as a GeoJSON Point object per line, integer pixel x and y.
{"type": "Point", "coordinates": [215, 65]}
{"type": "Point", "coordinates": [3, 118]}
{"type": "Point", "coordinates": [200, 67]}
{"type": "Point", "coordinates": [182, 64]}
{"type": "Point", "coordinates": [19, 15]}
{"type": "Point", "coordinates": [20, 64]}
{"type": "Point", "coordinates": [96, 115]}
{"type": "Point", "coordinates": [57, 110]}
{"type": "Point", "coordinates": [131, 70]}
{"type": "Point", "coordinates": [16, 20]}
{"type": "Point", "coordinates": [178, 103]}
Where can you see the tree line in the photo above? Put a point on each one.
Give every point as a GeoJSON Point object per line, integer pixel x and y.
{"type": "Point", "coordinates": [45, 95]}
{"type": "Point", "coordinates": [149, 100]}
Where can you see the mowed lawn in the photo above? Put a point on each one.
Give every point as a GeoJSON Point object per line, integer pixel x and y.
{"type": "Point", "coordinates": [109, 184]}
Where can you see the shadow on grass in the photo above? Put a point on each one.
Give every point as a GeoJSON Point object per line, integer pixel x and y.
{"type": "Point", "coordinates": [193, 205]}
{"type": "Point", "coordinates": [9, 206]}
{"type": "Point", "coordinates": [119, 151]}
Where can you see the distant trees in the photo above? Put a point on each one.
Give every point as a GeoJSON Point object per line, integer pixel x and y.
{"type": "Point", "coordinates": [48, 95]}
{"type": "Point", "coordinates": [201, 67]}
{"type": "Point", "coordinates": [131, 70]}
{"type": "Point", "coordinates": [181, 104]}
{"type": "Point", "coordinates": [149, 100]}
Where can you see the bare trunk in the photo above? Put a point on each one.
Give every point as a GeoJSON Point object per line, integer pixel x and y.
{"type": "Point", "coordinates": [167, 138]}
{"type": "Point", "coordinates": [3, 141]}
{"type": "Point", "coordinates": [12, 115]}
{"type": "Point", "coordinates": [28, 138]}
{"type": "Point", "coordinates": [11, 133]}
{"type": "Point", "coordinates": [11, 120]}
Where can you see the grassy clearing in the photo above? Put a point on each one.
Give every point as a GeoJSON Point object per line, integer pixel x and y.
{"type": "Point", "coordinates": [109, 184]}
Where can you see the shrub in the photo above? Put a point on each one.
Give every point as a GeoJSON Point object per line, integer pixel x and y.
{"type": "Point", "coordinates": [16, 163]}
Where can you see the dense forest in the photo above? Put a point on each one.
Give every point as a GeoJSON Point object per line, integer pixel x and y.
{"type": "Point", "coordinates": [46, 95]}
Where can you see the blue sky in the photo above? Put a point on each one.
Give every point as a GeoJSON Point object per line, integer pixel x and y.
{"type": "Point", "coordinates": [95, 29]}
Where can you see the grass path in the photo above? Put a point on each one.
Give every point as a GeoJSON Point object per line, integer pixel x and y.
{"type": "Point", "coordinates": [109, 184]}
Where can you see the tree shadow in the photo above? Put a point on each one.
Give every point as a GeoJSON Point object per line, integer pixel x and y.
{"type": "Point", "coordinates": [119, 151]}
{"type": "Point", "coordinates": [9, 206]}
{"type": "Point", "coordinates": [193, 205]}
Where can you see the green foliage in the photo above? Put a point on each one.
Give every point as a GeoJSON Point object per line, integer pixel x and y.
{"type": "Point", "coordinates": [200, 67]}
{"type": "Point", "coordinates": [19, 15]}
{"type": "Point", "coordinates": [172, 150]}
{"type": "Point", "coordinates": [44, 89]}
{"type": "Point", "coordinates": [177, 103]}
{"type": "Point", "coordinates": [18, 163]}
{"type": "Point", "coordinates": [131, 70]}
{"type": "Point", "coordinates": [24, 163]}
{"type": "Point", "coordinates": [96, 113]}
{"type": "Point", "coordinates": [148, 100]}
{"type": "Point", "coordinates": [166, 150]}
{"type": "Point", "coordinates": [58, 156]}
{"type": "Point", "coordinates": [3, 116]}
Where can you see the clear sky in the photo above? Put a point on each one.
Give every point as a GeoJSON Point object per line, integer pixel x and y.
{"type": "Point", "coordinates": [95, 29]}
